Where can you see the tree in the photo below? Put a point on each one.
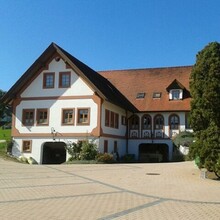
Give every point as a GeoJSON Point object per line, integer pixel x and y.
{"type": "Point", "coordinates": [5, 111]}
{"type": "Point", "coordinates": [2, 106]}
{"type": "Point", "coordinates": [205, 107]}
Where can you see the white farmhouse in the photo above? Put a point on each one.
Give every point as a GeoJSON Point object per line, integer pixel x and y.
{"type": "Point", "coordinates": [59, 100]}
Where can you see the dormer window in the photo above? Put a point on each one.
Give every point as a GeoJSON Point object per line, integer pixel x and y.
{"type": "Point", "coordinates": [176, 94]}
{"type": "Point", "coordinates": [175, 90]}
{"type": "Point", "coordinates": [157, 95]}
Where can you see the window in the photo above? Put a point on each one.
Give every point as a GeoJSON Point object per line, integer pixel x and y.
{"type": "Point", "coordinates": [64, 80]}
{"type": "Point", "coordinates": [157, 95]}
{"type": "Point", "coordinates": [140, 95]}
{"type": "Point", "coordinates": [158, 122]}
{"type": "Point", "coordinates": [134, 122]}
{"type": "Point", "coordinates": [83, 116]}
{"type": "Point", "coordinates": [48, 80]}
{"type": "Point", "coordinates": [42, 117]}
{"type": "Point", "coordinates": [26, 146]}
{"type": "Point", "coordinates": [174, 122]}
{"type": "Point", "coordinates": [146, 122]}
{"type": "Point", "coordinates": [28, 117]}
{"type": "Point", "coordinates": [175, 90]}
{"type": "Point", "coordinates": [107, 118]}
{"type": "Point", "coordinates": [105, 146]}
{"type": "Point", "coordinates": [116, 120]}
{"type": "Point", "coordinates": [111, 119]}
{"type": "Point", "coordinates": [68, 117]}
{"type": "Point", "coordinates": [176, 94]}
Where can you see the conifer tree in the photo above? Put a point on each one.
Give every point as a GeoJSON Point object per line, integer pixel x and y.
{"type": "Point", "coordinates": [205, 107]}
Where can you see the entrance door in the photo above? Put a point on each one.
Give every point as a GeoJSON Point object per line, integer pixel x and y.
{"type": "Point", "coordinates": [54, 153]}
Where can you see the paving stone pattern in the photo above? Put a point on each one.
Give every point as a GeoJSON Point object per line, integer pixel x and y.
{"type": "Point", "coordinates": [104, 192]}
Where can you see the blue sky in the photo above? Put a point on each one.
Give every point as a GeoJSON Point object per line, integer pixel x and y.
{"type": "Point", "coordinates": [106, 34]}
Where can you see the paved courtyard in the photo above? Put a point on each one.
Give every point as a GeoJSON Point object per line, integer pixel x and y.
{"type": "Point", "coordinates": [115, 191]}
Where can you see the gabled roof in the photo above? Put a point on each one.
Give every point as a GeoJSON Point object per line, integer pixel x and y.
{"type": "Point", "coordinates": [101, 85]}
{"type": "Point", "coordinates": [151, 81]}
{"type": "Point", "coordinates": [175, 85]}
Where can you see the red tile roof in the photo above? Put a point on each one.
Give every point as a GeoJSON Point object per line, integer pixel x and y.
{"type": "Point", "coordinates": [134, 81]}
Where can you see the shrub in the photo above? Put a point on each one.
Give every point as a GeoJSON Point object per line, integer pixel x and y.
{"type": "Point", "coordinates": [128, 158]}
{"type": "Point", "coordinates": [74, 150]}
{"type": "Point", "coordinates": [105, 158]}
{"type": "Point", "coordinates": [88, 151]}
{"type": "Point", "coordinates": [184, 138]}
{"type": "Point", "coordinates": [23, 159]}
{"type": "Point", "coordinates": [31, 160]}
{"type": "Point", "coordinates": [9, 146]}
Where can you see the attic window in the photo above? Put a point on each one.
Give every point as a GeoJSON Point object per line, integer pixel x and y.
{"type": "Point", "coordinates": [140, 95]}
{"type": "Point", "coordinates": [48, 80]}
{"type": "Point", "coordinates": [176, 94]}
{"type": "Point", "coordinates": [157, 95]}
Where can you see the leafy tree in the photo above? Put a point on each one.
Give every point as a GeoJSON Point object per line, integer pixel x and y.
{"type": "Point", "coordinates": [205, 107]}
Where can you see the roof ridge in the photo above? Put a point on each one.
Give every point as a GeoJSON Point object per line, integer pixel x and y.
{"type": "Point", "coordinates": [150, 68]}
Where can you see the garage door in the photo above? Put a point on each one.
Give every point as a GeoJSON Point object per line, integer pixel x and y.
{"type": "Point", "coordinates": [54, 153]}
{"type": "Point", "coordinates": [153, 152]}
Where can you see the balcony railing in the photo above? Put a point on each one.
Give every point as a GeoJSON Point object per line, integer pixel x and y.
{"type": "Point", "coordinates": [147, 134]}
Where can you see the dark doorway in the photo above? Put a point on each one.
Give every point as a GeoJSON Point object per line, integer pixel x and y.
{"type": "Point", "coordinates": [54, 153]}
{"type": "Point", "coordinates": [153, 152]}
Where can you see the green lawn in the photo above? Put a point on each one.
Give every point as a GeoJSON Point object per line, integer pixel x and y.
{"type": "Point", "coordinates": [5, 134]}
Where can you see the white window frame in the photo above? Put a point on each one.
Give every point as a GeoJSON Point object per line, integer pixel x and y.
{"type": "Point", "coordinates": [172, 95]}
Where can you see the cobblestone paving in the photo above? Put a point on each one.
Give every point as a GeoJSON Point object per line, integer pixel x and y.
{"type": "Point", "coordinates": [116, 191]}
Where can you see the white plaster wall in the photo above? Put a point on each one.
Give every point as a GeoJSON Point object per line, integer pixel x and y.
{"type": "Point", "coordinates": [166, 123]}
{"type": "Point", "coordinates": [55, 114]}
{"type": "Point", "coordinates": [182, 117]}
{"type": "Point", "coordinates": [108, 130]}
{"type": "Point", "coordinates": [36, 152]}
{"type": "Point", "coordinates": [121, 143]}
{"type": "Point", "coordinates": [37, 146]}
{"type": "Point", "coordinates": [78, 86]}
